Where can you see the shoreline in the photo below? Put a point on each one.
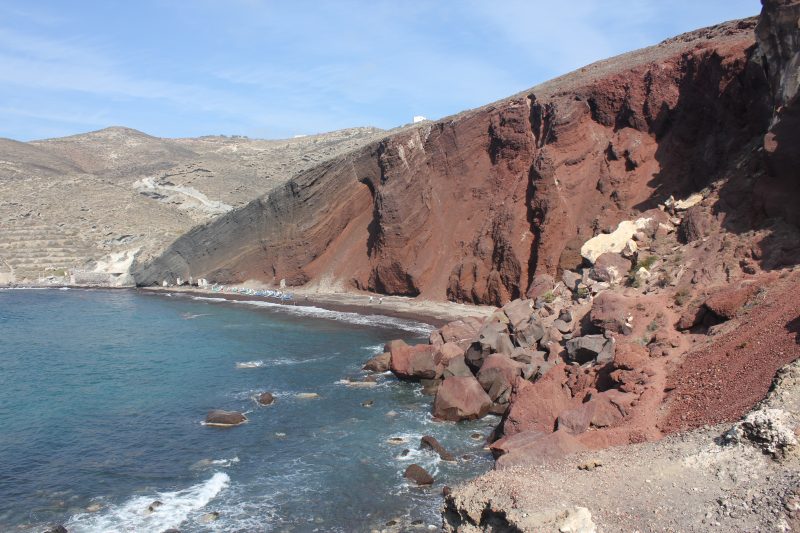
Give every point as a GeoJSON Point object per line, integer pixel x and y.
{"type": "Point", "coordinates": [430, 312]}
{"type": "Point", "coordinates": [435, 313]}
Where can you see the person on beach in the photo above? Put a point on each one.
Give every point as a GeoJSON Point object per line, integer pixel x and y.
{"type": "Point", "coordinates": [370, 299]}
{"type": "Point", "coordinates": [380, 301]}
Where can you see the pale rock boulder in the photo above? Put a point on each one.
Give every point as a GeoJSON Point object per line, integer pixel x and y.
{"type": "Point", "coordinates": [616, 241]}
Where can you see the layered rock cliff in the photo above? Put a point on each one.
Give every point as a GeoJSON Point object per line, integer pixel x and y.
{"type": "Point", "coordinates": [469, 208]}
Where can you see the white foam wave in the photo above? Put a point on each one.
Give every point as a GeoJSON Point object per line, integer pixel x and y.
{"type": "Point", "coordinates": [375, 348]}
{"type": "Point", "coordinates": [251, 364]}
{"type": "Point", "coordinates": [133, 515]}
{"type": "Point", "coordinates": [343, 316]}
{"type": "Point", "coordinates": [203, 464]}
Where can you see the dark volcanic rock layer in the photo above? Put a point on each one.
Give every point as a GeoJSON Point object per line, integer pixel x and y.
{"type": "Point", "coordinates": [470, 207]}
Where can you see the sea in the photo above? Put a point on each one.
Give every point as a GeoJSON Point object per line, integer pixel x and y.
{"type": "Point", "coordinates": [103, 396]}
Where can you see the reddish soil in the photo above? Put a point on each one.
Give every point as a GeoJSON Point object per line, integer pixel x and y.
{"type": "Point", "coordinates": [724, 379]}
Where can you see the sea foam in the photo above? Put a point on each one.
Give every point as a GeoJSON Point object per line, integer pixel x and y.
{"type": "Point", "coordinates": [133, 514]}
{"type": "Point", "coordinates": [343, 316]}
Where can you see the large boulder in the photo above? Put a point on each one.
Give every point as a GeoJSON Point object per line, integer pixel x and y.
{"type": "Point", "coordinates": [461, 398]}
{"type": "Point", "coordinates": [449, 360]}
{"type": "Point", "coordinates": [418, 475]}
{"type": "Point", "coordinates": [498, 374]}
{"type": "Point", "coordinates": [220, 418]}
{"type": "Point", "coordinates": [379, 363]}
{"type": "Point", "coordinates": [518, 312]}
{"type": "Point", "coordinates": [609, 407]}
{"type": "Point", "coordinates": [540, 285]}
{"type": "Point", "coordinates": [529, 334]}
{"type": "Point", "coordinates": [265, 398]}
{"type": "Point", "coordinates": [610, 313]}
{"type": "Point", "coordinates": [540, 450]}
{"type": "Point", "coordinates": [411, 363]}
{"type": "Point", "coordinates": [455, 367]}
{"type": "Point", "coordinates": [696, 224]}
{"type": "Point", "coordinates": [494, 338]}
{"type": "Point", "coordinates": [461, 332]}
{"type": "Point", "coordinates": [588, 348]}
{"type": "Point", "coordinates": [615, 241]}
{"type": "Point", "coordinates": [508, 443]}
{"type": "Point", "coordinates": [611, 268]}
{"type": "Point", "coordinates": [726, 303]}
{"type": "Point", "coordinates": [432, 444]}
{"type": "Point", "coordinates": [444, 352]}
{"type": "Point", "coordinates": [576, 420]}
{"type": "Point", "coordinates": [536, 406]}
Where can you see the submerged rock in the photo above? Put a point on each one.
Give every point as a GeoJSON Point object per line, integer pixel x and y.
{"type": "Point", "coordinates": [57, 529]}
{"type": "Point", "coordinates": [155, 505]}
{"type": "Point", "coordinates": [418, 475]}
{"type": "Point", "coordinates": [265, 398]}
{"type": "Point", "coordinates": [379, 363]}
{"type": "Point", "coordinates": [431, 443]}
{"type": "Point", "coordinates": [307, 395]}
{"type": "Point", "coordinates": [221, 418]}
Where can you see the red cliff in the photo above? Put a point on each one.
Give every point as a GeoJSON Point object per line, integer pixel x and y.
{"type": "Point", "coordinates": [471, 207]}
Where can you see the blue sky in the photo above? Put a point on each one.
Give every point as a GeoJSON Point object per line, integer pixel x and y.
{"type": "Point", "coordinates": [277, 69]}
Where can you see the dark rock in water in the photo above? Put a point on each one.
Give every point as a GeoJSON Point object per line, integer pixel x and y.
{"type": "Point", "coordinates": [173, 530]}
{"type": "Point", "coordinates": [210, 517]}
{"type": "Point", "coordinates": [57, 529]}
{"type": "Point", "coordinates": [379, 363]}
{"type": "Point", "coordinates": [265, 398]}
{"type": "Point", "coordinates": [155, 505]}
{"type": "Point", "coordinates": [417, 522]}
{"type": "Point", "coordinates": [430, 442]}
{"type": "Point", "coordinates": [418, 475]}
{"type": "Point", "coordinates": [405, 452]}
{"type": "Point", "coordinates": [476, 436]}
{"type": "Point", "coordinates": [391, 523]}
{"type": "Point", "coordinates": [446, 490]}
{"type": "Point", "coordinates": [367, 403]}
{"type": "Point", "coordinates": [221, 418]}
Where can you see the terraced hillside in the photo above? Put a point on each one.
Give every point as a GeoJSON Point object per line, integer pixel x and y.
{"type": "Point", "coordinates": [90, 202]}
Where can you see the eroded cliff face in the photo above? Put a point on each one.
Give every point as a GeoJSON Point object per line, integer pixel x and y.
{"type": "Point", "coordinates": [471, 207]}
{"type": "Point", "coordinates": [778, 34]}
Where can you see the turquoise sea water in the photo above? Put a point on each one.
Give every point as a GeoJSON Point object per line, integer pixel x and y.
{"type": "Point", "coordinates": [103, 394]}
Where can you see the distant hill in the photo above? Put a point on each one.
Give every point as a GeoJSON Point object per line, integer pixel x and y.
{"type": "Point", "coordinates": [70, 202]}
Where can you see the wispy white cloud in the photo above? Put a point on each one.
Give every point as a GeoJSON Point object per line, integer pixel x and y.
{"type": "Point", "coordinates": [278, 68]}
